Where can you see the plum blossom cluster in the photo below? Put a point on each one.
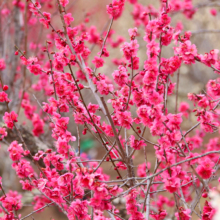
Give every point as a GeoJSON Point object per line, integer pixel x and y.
{"type": "Point", "coordinates": [129, 110]}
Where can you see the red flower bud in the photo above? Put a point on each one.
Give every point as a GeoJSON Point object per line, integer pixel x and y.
{"type": "Point", "coordinates": [5, 88]}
